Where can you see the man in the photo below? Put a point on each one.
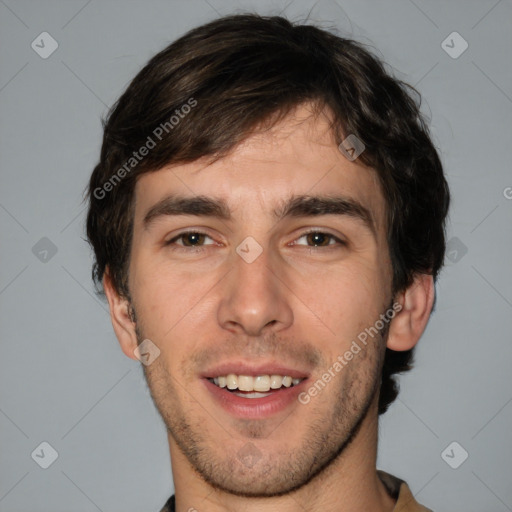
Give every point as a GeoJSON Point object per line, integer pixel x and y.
{"type": "Point", "coordinates": [267, 218]}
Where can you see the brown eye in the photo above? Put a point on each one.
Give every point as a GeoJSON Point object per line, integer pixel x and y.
{"type": "Point", "coordinates": [319, 239]}
{"type": "Point", "coordinates": [192, 239]}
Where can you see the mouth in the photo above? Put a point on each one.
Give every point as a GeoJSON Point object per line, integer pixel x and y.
{"type": "Point", "coordinates": [254, 393]}
{"type": "Point", "coordinates": [259, 386]}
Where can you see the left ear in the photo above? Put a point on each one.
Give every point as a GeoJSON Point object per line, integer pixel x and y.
{"type": "Point", "coordinates": [410, 322]}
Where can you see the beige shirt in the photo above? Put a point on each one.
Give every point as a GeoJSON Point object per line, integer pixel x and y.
{"type": "Point", "coordinates": [400, 491]}
{"type": "Point", "coordinates": [397, 488]}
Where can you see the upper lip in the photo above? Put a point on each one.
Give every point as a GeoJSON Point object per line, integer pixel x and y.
{"type": "Point", "coordinates": [243, 368]}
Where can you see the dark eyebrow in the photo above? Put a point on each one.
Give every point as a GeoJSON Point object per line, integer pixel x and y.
{"type": "Point", "coordinates": [295, 206]}
{"type": "Point", "coordinates": [178, 205]}
{"type": "Point", "coordinates": [310, 206]}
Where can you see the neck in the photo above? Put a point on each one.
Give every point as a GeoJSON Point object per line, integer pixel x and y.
{"type": "Point", "coordinates": [349, 484]}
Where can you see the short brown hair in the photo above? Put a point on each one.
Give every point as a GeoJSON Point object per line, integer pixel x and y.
{"type": "Point", "coordinates": [240, 72]}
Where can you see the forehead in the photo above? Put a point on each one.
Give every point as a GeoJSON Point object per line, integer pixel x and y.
{"type": "Point", "coordinates": [296, 156]}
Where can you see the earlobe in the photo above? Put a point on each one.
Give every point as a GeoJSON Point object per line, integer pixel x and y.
{"type": "Point", "coordinates": [122, 321]}
{"type": "Point", "coordinates": [410, 322]}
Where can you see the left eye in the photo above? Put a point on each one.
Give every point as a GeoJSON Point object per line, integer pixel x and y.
{"type": "Point", "coordinates": [319, 239]}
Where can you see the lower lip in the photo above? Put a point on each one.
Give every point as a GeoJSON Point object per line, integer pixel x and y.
{"type": "Point", "coordinates": [255, 408]}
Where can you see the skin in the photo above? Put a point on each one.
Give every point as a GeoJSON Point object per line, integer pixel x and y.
{"type": "Point", "coordinates": [296, 303]}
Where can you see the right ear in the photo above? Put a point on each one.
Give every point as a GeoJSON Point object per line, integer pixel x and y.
{"type": "Point", "coordinates": [122, 322]}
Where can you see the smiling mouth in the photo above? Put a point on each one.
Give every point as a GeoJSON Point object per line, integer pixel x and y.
{"type": "Point", "coordinates": [259, 386]}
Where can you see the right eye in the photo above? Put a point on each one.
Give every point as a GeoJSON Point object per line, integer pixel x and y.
{"type": "Point", "coordinates": [189, 240]}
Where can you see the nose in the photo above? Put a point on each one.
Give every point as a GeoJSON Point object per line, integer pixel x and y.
{"type": "Point", "coordinates": [254, 299]}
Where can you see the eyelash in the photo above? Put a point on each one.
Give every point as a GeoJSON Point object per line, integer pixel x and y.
{"type": "Point", "coordinates": [196, 249]}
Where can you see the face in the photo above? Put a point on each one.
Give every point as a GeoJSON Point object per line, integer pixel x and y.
{"type": "Point", "coordinates": [265, 277]}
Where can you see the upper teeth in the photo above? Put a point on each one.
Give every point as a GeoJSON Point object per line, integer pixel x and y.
{"type": "Point", "coordinates": [258, 383]}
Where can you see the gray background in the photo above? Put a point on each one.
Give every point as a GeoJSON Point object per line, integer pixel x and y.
{"type": "Point", "coordinates": [63, 378]}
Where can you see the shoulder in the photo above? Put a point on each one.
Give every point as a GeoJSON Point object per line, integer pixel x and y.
{"type": "Point", "coordinates": [169, 505]}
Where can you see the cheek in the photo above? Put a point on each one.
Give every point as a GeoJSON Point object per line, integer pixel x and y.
{"type": "Point", "coordinates": [343, 298]}
{"type": "Point", "coordinates": [173, 308]}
